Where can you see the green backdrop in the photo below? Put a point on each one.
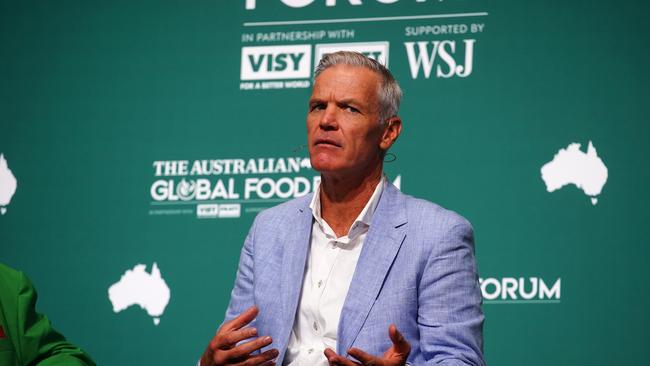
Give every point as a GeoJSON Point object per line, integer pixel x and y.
{"type": "Point", "coordinates": [94, 93]}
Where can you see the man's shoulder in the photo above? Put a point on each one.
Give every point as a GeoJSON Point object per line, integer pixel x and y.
{"type": "Point", "coordinates": [422, 212]}
{"type": "Point", "coordinates": [434, 228]}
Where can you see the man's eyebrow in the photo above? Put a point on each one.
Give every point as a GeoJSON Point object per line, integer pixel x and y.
{"type": "Point", "coordinates": [349, 101]}
{"type": "Point", "coordinates": [315, 100]}
{"type": "Point", "coordinates": [344, 101]}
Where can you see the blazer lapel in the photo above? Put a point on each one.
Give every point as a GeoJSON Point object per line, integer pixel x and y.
{"type": "Point", "coordinates": [295, 249]}
{"type": "Point", "coordinates": [382, 244]}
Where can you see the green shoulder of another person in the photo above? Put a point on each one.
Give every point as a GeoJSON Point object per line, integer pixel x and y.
{"type": "Point", "coordinates": [27, 337]}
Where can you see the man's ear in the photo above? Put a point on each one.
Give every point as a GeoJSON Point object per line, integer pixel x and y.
{"type": "Point", "coordinates": [392, 129]}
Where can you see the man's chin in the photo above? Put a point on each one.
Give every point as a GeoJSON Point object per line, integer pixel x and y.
{"type": "Point", "coordinates": [325, 166]}
{"type": "Point", "coordinates": [324, 163]}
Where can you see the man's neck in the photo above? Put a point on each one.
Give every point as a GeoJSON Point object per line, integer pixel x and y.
{"type": "Point", "coordinates": [343, 199]}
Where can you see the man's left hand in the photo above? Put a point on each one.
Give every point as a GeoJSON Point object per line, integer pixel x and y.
{"type": "Point", "coordinates": [396, 355]}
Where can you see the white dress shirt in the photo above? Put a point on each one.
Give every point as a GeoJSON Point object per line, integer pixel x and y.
{"type": "Point", "coordinates": [330, 267]}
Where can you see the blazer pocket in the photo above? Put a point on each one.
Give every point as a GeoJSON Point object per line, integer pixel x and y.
{"type": "Point", "coordinates": [398, 295]}
{"type": "Point", "coordinates": [397, 306]}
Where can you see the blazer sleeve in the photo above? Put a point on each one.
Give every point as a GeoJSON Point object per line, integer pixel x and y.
{"type": "Point", "coordinates": [37, 341]}
{"type": "Point", "coordinates": [450, 318]}
{"type": "Point", "coordinates": [242, 296]}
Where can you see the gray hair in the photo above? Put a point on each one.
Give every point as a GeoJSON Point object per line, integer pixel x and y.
{"type": "Point", "coordinates": [390, 94]}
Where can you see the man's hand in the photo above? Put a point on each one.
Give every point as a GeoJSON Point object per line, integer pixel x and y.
{"type": "Point", "coordinates": [223, 348]}
{"type": "Point", "coordinates": [396, 355]}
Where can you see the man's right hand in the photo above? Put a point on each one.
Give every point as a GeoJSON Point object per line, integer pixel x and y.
{"type": "Point", "coordinates": [223, 348]}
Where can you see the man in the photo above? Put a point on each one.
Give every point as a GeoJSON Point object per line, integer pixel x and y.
{"type": "Point", "coordinates": [357, 273]}
{"type": "Point", "coordinates": [27, 337]}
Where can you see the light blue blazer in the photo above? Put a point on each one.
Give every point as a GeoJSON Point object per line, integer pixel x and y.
{"type": "Point", "coordinates": [416, 269]}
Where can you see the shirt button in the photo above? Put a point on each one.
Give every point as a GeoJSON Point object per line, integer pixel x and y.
{"type": "Point", "coordinates": [311, 350]}
{"type": "Point", "coordinates": [315, 326]}
{"type": "Point", "coordinates": [320, 283]}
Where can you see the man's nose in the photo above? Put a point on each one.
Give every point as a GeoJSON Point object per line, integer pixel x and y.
{"type": "Point", "coordinates": [329, 118]}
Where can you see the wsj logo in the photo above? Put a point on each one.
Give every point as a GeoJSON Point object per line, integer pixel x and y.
{"type": "Point", "coordinates": [444, 55]}
{"type": "Point", "coordinates": [374, 50]}
{"type": "Point", "coordinates": [276, 62]}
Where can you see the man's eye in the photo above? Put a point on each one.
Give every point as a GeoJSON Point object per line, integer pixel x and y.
{"type": "Point", "coordinates": [351, 109]}
{"type": "Point", "coordinates": [317, 107]}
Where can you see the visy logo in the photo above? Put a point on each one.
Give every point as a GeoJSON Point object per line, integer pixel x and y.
{"type": "Point", "coordinates": [374, 50]}
{"type": "Point", "coordinates": [276, 62]}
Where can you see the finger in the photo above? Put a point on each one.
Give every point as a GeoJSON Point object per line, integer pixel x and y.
{"type": "Point", "coordinates": [362, 356]}
{"type": "Point", "coordinates": [400, 343]}
{"type": "Point", "coordinates": [207, 357]}
{"type": "Point", "coordinates": [337, 360]}
{"type": "Point", "coordinates": [329, 353]}
{"type": "Point", "coordinates": [242, 319]}
{"type": "Point", "coordinates": [265, 358]}
{"type": "Point", "coordinates": [245, 349]}
{"type": "Point", "coordinates": [226, 340]}
{"type": "Point", "coordinates": [268, 363]}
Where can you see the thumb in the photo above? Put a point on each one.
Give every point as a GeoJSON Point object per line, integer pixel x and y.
{"type": "Point", "coordinates": [400, 343]}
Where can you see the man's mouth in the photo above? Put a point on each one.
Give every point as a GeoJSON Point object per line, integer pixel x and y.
{"type": "Point", "coordinates": [326, 141]}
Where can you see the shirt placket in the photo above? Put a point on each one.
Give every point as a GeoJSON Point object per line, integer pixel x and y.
{"type": "Point", "coordinates": [323, 260]}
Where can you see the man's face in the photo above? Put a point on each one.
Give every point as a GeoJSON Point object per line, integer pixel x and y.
{"type": "Point", "coordinates": [343, 128]}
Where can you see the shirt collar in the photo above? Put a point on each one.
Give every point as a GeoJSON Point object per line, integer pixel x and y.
{"type": "Point", "coordinates": [365, 216]}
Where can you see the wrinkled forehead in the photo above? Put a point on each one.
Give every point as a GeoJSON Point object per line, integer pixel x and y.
{"type": "Point", "coordinates": [345, 81]}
